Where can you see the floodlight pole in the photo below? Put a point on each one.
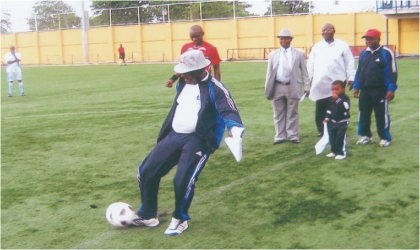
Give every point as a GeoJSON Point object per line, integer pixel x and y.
{"type": "Point", "coordinates": [234, 12]}
{"type": "Point", "coordinates": [84, 37]}
{"type": "Point", "coordinates": [169, 15]}
{"type": "Point", "coordinates": [138, 15]}
{"type": "Point", "coordinates": [36, 25]}
{"type": "Point", "coordinates": [201, 13]}
{"type": "Point", "coordinates": [110, 18]}
{"type": "Point", "coordinates": [271, 8]}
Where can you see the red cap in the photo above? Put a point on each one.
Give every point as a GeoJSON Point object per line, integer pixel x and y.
{"type": "Point", "coordinates": [372, 33]}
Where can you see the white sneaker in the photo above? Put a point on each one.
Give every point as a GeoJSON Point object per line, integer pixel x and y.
{"type": "Point", "coordinates": [330, 155]}
{"type": "Point", "coordinates": [340, 157]}
{"type": "Point", "coordinates": [176, 227]}
{"type": "Point", "coordinates": [384, 143]}
{"type": "Point", "coordinates": [139, 222]}
{"type": "Point", "coordinates": [364, 140]}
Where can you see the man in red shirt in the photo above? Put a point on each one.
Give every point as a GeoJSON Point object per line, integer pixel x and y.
{"type": "Point", "coordinates": [121, 51]}
{"type": "Point", "coordinates": [208, 50]}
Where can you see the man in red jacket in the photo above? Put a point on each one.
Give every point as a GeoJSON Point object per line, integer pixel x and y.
{"type": "Point", "coordinates": [208, 50]}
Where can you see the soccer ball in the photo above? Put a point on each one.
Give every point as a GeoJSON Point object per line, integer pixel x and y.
{"type": "Point", "coordinates": [120, 214]}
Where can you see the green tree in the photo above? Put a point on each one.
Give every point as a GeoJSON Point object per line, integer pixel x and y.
{"type": "Point", "coordinates": [288, 7]}
{"type": "Point", "coordinates": [125, 12]}
{"type": "Point", "coordinates": [209, 10]}
{"type": "Point", "coordinates": [6, 25]}
{"type": "Point", "coordinates": [51, 14]}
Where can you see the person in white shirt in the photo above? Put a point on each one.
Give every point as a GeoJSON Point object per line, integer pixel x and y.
{"type": "Point", "coordinates": [13, 70]}
{"type": "Point", "coordinates": [329, 60]}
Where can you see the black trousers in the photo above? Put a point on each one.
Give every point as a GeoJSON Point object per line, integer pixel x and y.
{"type": "Point", "coordinates": [369, 100]}
{"type": "Point", "coordinates": [321, 107]}
{"type": "Point", "coordinates": [184, 150]}
{"type": "Point", "coordinates": [337, 133]}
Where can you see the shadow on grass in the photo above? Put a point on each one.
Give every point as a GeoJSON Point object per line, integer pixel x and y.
{"type": "Point", "coordinates": [320, 204]}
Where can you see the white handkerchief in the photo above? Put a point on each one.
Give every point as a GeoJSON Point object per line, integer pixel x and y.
{"type": "Point", "coordinates": [303, 97]}
{"type": "Point", "coordinates": [322, 144]}
{"type": "Point", "coordinates": [235, 146]}
{"type": "Point", "coordinates": [234, 143]}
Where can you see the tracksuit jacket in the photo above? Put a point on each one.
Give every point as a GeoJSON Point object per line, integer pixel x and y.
{"type": "Point", "coordinates": [376, 69]}
{"type": "Point", "coordinates": [338, 110]}
{"type": "Point", "coordinates": [217, 110]}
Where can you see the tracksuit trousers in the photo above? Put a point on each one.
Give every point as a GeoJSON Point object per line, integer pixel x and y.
{"type": "Point", "coordinates": [374, 99]}
{"type": "Point", "coordinates": [185, 150]}
{"type": "Point", "coordinates": [337, 133]}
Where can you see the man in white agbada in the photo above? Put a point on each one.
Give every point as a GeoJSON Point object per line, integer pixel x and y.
{"type": "Point", "coordinates": [13, 70]}
{"type": "Point", "coordinates": [329, 60]}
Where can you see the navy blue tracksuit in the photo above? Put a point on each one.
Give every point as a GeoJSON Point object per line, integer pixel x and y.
{"type": "Point", "coordinates": [190, 151]}
{"type": "Point", "coordinates": [375, 76]}
{"type": "Point", "coordinates": [338, 115]}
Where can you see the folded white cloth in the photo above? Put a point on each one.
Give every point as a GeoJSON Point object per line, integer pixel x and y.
{"type": "Point", "coordinates": [303, 97]}
{"type": "Point", "coordinates": [322, 144]}
{"type": "Point", "coordinates": [234, 143]}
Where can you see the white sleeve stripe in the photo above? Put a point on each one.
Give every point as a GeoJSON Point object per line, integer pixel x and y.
{"type": "Point", "coordinates": [394, 67]}
{"type": "Point", "coordinates": [228, 99]}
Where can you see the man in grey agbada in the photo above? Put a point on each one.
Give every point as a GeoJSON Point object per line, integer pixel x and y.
{"type": "Point", "coordinates": [286, 73]}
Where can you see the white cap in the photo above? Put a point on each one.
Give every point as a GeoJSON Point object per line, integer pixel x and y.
{"type": "Point", "coordinates": [190, 61]}
{"type": "Point", "coordinates": [285, 33]}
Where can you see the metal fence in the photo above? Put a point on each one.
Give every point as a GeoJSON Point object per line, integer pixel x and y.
{"type": "Point", "coordinates": [149, 14]}
{"type": "Point", "coordinates": [396, 4]}
{"type": "Point", "coordinates": [177, 12]}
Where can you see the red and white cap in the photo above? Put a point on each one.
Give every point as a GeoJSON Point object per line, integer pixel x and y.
{"type": "Point", "coordinates": [372, 33]}
{"type": "Point", "coordinates": [190, 61]}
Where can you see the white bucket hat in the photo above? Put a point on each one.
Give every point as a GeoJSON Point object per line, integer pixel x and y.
{"type": "Point", "coordinates": [190, 61]}
{"type": "Point", "coordinates": [285, 33]}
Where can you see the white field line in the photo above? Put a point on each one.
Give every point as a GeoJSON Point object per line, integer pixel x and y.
{"type": "Point", "coordinates": [208, 195]}
{"type": "Point", "coordinates": [105, 236]}
{"type": "Point", "coordinates": [70, 114]}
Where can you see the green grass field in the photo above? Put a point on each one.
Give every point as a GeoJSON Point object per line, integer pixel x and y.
{"type": "Point", "coordinates": [75, 142]}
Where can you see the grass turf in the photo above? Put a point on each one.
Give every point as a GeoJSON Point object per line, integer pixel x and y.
{"type": "Point", "coordinates": [72, 146]}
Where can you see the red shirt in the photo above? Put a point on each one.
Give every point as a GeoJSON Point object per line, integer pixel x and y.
{"type": "Point", "coordinates": [209, 52]}
{"type": "Point", "coordinates": [121, 50]}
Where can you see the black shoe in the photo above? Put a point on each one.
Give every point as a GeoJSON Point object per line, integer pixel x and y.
{"type": "Point", "coordinates": [295, 141]}
{"type": "Point", "coordinates": [9, 96]}
{"type": "Point", "coordinates": [23, 94]}
{"type": "Point", "coordinates": [278, 142]}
